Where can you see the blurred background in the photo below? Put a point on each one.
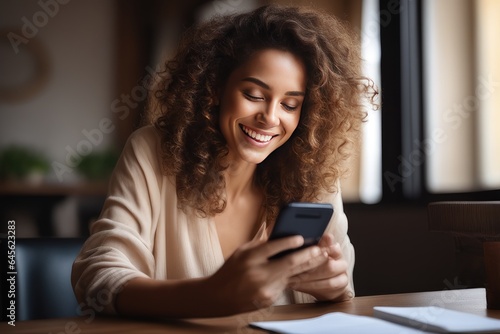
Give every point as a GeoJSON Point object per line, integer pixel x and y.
{"type": "Point", "coordinates": [74, 78]}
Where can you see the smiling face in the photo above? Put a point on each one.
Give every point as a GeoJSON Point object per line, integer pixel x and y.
{"type": "Point", "coordinates": [261, 104]}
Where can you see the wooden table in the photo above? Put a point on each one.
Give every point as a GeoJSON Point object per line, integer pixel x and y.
{"type": "Point", "coordinates": [470, 300]}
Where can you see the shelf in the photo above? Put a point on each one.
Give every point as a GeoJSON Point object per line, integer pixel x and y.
{"type": "Point", "coordinates": [53, 189]}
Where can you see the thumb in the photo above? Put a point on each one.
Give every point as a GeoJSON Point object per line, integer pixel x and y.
{"type": "Point", "coordinates": [326, 241]}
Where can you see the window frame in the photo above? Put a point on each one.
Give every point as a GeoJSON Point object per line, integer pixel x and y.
{"type": "Point", "coordinates": [403, 118]}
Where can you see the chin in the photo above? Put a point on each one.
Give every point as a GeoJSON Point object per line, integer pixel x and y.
{"type": "Point", "coordinates": [255, 159]}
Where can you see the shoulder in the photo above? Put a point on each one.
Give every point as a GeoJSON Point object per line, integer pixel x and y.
{"type": "Point", "coordinates": [143, 148]}
{"type": "Point", "coordinates": [144, 141]}
{"type": "Point", "coordinates": [145, 136]}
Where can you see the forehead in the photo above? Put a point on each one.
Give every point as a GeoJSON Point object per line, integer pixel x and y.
{"type": "Point", "coordinates": [275, 67]}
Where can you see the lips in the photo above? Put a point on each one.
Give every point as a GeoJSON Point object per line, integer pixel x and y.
{"type": "Point", "coordinates": [260, 137]}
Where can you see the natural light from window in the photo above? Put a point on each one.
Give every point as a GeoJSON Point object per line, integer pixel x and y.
{"type": "Point", "coordinates": [364, 183]}
{"type": "Point", "coordinates": [462, 94]}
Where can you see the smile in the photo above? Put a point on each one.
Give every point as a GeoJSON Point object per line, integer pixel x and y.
{"type": "Point", "coordinates": [263, 138]}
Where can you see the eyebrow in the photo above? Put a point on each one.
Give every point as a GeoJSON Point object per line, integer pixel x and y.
{"type": "Point", "coordinates": [266, 86]}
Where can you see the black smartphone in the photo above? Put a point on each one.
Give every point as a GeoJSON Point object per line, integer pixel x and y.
{"type": "Point", "coordinates": [300, 218]}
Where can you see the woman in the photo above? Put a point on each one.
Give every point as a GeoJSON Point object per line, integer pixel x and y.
{"type": "Point", "coordinates": [255, 111]}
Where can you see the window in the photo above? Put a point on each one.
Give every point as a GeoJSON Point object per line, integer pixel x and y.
{"type": "Point", "coordinates": [461, 94]}
{"type": "Point", "coordinates": [364, 184]}
{"type": "Point", "coordinates": [439, 131]}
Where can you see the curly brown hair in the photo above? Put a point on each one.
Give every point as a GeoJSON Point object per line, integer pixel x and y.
{"type": "Point", "coordinates": [185, 110]}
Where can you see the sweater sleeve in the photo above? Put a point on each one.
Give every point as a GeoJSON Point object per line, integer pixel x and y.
{"type": "Point", "coordinates": [337, 227]}
{"type": "Point", "coordinates": [121, 240]}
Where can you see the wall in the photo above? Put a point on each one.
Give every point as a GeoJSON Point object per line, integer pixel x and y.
{"type": "Point", "coordinates": [77, 38]}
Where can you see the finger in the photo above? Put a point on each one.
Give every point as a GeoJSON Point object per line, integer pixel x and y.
{"type": "Point", "coordinates": [330, 246]}
{"type": "Point", "coordinates": [328, 269]}
{"type": "Point", "coordinates": [250, 252]}
{"type": "Point", "coordinates": [326, 240]}
{"type": "Point", "coordinates": [339, 282]}
{"type": "Point", "coordinates": [334, 251]}
{"type": "Point", "coordinates": [300, 261]}
{"type": "Point", "coordinates": [247, 251]}
{"type": "Point", "coordinates": [274, 247]}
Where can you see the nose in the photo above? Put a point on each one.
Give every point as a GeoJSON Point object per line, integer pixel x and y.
{"type": "Point", "coordinates": [270, 115]}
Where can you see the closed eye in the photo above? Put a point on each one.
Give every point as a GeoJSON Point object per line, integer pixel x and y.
{"type": "Point", "coordinates": [253, 97]}
{"type": "Point", "coordinates": [289, 108]}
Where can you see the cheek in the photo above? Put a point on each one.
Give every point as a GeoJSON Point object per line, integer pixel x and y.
{"type": "Point", "coordinates": [292, 122]}
{"type": "Point", "coordinates": [232, 107]}
{"type": "Point", "coordinates": [228, 110]}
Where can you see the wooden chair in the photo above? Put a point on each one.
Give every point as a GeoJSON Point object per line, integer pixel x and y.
{"type": "Point", "coordinates": [479, 220]}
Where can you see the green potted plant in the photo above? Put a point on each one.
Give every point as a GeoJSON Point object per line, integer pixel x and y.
{"type": "Point", "coordinates": [22, 163]}
{"type": "Point", "coordinates": [97, 166]}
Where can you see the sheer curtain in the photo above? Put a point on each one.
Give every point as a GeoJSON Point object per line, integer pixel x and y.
{"type": "Point", "coordinates": [488, 68]}
{"type": "Point", "coordinates": [461, 94]}
{"type": "Point", "coordinates": [364, 182]}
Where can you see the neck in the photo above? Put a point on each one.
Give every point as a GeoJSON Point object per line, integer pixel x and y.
{"type": "Point", "coordinates": [239, 179]}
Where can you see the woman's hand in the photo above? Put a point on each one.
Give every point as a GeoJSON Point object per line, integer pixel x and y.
{"type": "Point", "coordinates": [329, 280]}
{"type": "Point", "coordinates": [248, 280]}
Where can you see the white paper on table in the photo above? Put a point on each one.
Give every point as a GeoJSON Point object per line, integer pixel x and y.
{"type": "Point", "coordinates": [437, 319]}
{"type": "Point", "coordinates": [336, 322]}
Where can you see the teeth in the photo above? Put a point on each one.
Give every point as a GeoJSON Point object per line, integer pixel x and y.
{"type": "Point", "coordinates": [256, 136]}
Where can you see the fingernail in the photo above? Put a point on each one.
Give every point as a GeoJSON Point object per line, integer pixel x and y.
{"type": "Point", "coordinates": [316, 251]}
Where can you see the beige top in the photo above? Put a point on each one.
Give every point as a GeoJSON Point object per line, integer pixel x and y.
{"type": "Point", "coordinates": [142, 233]}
